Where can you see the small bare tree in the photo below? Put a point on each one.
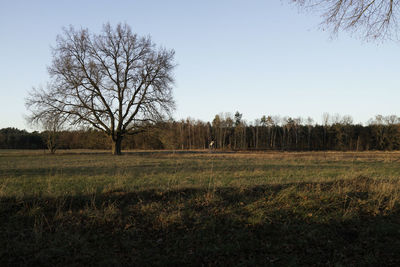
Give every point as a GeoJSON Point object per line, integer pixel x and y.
{"type": "Point", "coordinates": [372, 19]}
{"type": "Point", "coordinates": [51, 122]}
{"type": "Point", "coordinates": [114, 81]}
{"type": "Point", "coordinates": [51, 135]}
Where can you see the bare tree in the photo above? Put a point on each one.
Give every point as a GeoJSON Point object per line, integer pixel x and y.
{"type": "Point", "coordinates": [310, 124]}
{"type": "Point", "coordinates": [52, 125]}
{"type": "Point", "coordinates": [50, 121]}
{"type": "Point", "coordinates": [372, 19]}
{"type": "Point", "coordinates": [325, 119]}
{"type": "Point", "coordinates": [114, 81]}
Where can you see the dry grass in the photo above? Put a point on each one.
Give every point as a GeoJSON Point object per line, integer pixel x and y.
{"type": "Point", "coordinates": [198, 208]}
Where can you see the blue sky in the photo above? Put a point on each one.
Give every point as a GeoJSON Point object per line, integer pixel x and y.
{"type": "Point", "coordinates": [257, 57]}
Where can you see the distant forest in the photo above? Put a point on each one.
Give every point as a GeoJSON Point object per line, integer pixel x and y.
{"type": "Point", "coordinates": [231, 133]}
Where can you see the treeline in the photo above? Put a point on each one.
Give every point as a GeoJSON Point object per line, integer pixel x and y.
{"type": "Point", "coordinates": [229, 132]}
{"type": "Point", "coordinates": [12, 138]}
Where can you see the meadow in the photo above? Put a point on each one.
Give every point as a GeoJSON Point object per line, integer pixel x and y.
{"type": "Point", "coordinates": [199, 208]}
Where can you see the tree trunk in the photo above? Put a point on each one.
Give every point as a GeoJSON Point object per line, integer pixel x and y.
{"type": "Point", "coordinates": [116, 145]}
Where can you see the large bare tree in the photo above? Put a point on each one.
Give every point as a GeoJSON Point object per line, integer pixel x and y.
{"type": "Point", "coordinates": [371, 19]}
{"type": "Point", "coordinates": [114, 81]}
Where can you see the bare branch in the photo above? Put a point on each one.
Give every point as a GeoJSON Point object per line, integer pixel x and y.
{"type": "Point", "coordinates": [109, 81]}
{"type": "Point", "coordinates": [370, 19]}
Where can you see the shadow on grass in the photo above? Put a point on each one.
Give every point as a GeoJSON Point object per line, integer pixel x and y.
{"type": "Point", "coordinates": [292, 224]}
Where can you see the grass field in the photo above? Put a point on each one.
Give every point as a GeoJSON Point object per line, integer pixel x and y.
{"type": "Point", "coordinates": [199, 208]}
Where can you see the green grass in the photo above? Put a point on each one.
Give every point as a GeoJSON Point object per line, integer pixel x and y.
{"type": "Point", "coordinates": [161, 208]}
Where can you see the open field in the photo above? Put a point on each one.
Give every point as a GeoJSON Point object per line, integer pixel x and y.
{"type": "Point", "coordinates": [199, 208]}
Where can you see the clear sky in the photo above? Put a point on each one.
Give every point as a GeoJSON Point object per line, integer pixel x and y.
{"type": "Point", "coordinates": [258, 57]}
